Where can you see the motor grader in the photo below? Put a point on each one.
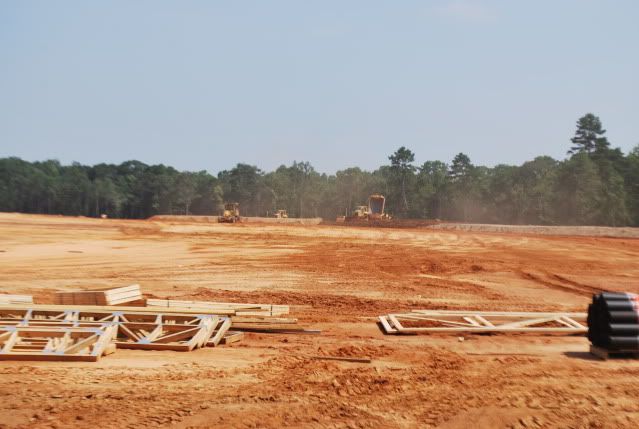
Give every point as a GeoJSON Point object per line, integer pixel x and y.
{"type": "Point", "coordinates": [373, 211]}
{"type": "Point", "coordinates": [231, 213]}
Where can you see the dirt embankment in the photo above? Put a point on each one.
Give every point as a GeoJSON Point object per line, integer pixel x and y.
{"type": "Point", "coordinates": [587, 231]}
{"type": "Point", "coordinates": [244, 219]}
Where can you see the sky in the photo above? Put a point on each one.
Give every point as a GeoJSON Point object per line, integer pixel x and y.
{"type": "Point", "coordinates": [204, 85]}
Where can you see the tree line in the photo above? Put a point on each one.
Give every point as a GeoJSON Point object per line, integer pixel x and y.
{"type": "Point", "coordinates": [595, 185]}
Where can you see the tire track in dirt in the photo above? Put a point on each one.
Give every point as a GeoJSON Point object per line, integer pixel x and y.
{"type": "Point", "coordinates": [568, 286]}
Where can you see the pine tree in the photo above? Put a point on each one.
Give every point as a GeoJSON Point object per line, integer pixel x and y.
{"type": "Point", "coordinates": [401, 164]}
{"type": "Point", "coordinates": [589, 136]}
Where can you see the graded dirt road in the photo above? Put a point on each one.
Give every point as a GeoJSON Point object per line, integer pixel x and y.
{"type": "Point", "coordinates": [337, 279]}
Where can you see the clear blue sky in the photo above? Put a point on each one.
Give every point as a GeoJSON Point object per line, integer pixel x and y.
{"type": "Point", "coordinates": [205, 85]}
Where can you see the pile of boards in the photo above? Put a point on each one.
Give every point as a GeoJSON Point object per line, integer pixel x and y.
{"type": "Point", "coordinates": [441, 321]}
{"type": "Point", "coordinates": [130, 295]}
{"type": "Point", "coordinates": [82, 330]}
{"type": "Point", "coordinates": [613, 323]}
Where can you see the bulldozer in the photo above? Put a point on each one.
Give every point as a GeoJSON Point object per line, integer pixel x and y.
{"type": "Point", "coordinates": [361, 212]}
{"type": "Point", "coordinates": [373, 211]}
{"type": "Point", "coordinates": [231, 213]}
{"type": "Point", "coordinates": [281, 214]}
{"type": "Point", "coordinates": [376, 204]}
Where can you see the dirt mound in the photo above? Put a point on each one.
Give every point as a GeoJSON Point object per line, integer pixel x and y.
{"type": "Point", "coordinates": [389, 223]}
{"type": "Point", "coordinates": [587, 231]}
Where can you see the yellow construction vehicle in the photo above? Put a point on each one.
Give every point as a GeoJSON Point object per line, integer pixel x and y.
{"type": "Point", "coordinates": [281, 214]}
{"type": "Point", "coordinates": [231, 213]}
{"type": "Point", "coordinates": [376, 204]}
{"type": "Point", "coordinates": [373, 211]}
{"type": "Point", "coordinates": [361, 212]}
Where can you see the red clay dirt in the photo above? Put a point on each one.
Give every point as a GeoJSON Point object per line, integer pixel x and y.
{"type": "Point", "coordinates": [337, 279]}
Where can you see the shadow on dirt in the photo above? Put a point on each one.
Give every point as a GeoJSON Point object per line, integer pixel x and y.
{"type": "Point", "coordinates": [582, 356]}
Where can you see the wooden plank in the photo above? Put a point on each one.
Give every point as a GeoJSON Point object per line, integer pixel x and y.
{"type": "Point", "coordinates": [232, 337]}
{"type": "Point", "coordinates": [221, 331]}
{"type": "Point", "coordinates": [472, 321]}
{"type": "Point", "coordinates": [573, 322]}
{"type": "Point", "coordinates": [499, 313]}
{"type": "Point", "coordinates": [112, 309]}
{"type": "Point", "coordinates": [265, 320]}
{"type": "Point", "coordinates": [34, 356]}
{"type": "Point", "coordinates": [528, 322]}
{"type": "Point", "coordinates": [247, 309]}
{"type": "Point", "coordinates": [16, 299]}
{"type": "Point", "coordinates": [9, 342]}
{"type": "Point", "coordinates": [482, 320]}
{"type": "Point", "coordinates": [387, 327]}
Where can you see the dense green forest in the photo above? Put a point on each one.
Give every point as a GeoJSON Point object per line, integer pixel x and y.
{"type": "Point", "coordinates": [595, 185]}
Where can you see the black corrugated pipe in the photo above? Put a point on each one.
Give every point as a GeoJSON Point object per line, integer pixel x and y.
{"type": "Point", "coordinates": [613, 321]}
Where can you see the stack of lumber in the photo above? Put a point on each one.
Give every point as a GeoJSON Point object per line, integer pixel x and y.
{"type": "Point", "coordinates": [273, 325]}
{"type": "Point", "coordinates": [241, 309]}
{"type": "Point", "coordinates": [110, 296]}
{"type": "Point", "coordinates": [263, 318]}
{"type": "Point", "coordinates": [16, 299]}
{"type": "Point", "coordinates": [439, 321]}
{"type": "Point", "coordinates": [613, 323]}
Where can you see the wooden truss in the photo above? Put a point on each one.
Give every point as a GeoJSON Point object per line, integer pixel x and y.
{"type": "Point", "coordinates": [132, 330]}
{"type": "Point", "coordinates": [241, 319]}
{"type": "Point", "coordinates": [56, 343]}
{"type": "Point", "coordinates": [170, 332]}
{"type": "Point", "coordinates": [16, 299]}
{"type": "Point", "coordinates": [434, 321]}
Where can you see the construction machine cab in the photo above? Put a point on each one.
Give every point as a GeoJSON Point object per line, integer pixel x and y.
{"type": "Point", "coordinates": [361, 212]}
{"type": "Point", "coordinates": [376, 204]}
{"type": "Point", "coordinates": [231, 213]}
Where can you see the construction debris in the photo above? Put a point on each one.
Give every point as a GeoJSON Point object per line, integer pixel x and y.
{"type": "Point", "coordinates": [32, 331]}
{"type": "Point", "coordinates": [84, 325]}
{"type": "Point", "coordinates": [143, 330]}
{"type": "Point", "coordinates": [433, 321]}
{"type": "Point", "coordinates": [118, 296]}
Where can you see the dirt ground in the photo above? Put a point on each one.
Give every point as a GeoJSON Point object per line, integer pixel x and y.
{"type": "Point", "coordinates": [337, 279]}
